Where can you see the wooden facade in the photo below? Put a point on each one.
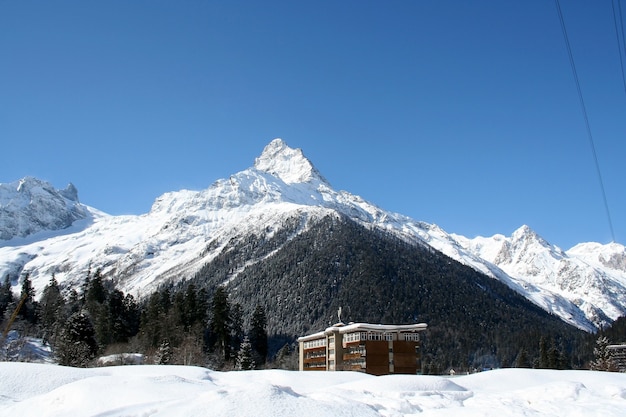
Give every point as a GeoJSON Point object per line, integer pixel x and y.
{"type": "Point", "coordinates": [376, 349]}
{"type": "Point", "coordinates": [618, 354]}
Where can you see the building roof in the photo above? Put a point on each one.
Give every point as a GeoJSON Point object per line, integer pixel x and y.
{"type": "Point", "coordinates": [365, 327]}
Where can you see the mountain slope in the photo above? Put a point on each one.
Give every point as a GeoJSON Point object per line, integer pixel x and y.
{"type": "Point", "coordinates": [304, 278]}
{"type": "Point", "coordinates": [281, 195]}
{"type": "Point", "coordinates": [591, 276]}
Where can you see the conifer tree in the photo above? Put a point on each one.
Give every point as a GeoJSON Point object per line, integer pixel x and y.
{"type": "Point", "coordinates": [77, 345]}
{"type": "Point", "coordinates": [236, 326]}
{"type": "Point", "coordinates": [522, 359]}
{"type": "Point", "coordinates": [220, 321]}
{"type": "Point", "coordinates": [164, 353]}
{"type": "Point", "coordinates": [245, 360]}
{"type": "Point", "coordinates": [543, 353]}
{"type": "Point", "coordinates": [258, 334]}
{"type": "Point", "coordinates": [6, 296]}
{"type": "Point", "coordinates": [52, 309]}
{"type": "Point", "coordinates": [603, 359]}
{"type": "Point", "coordinates": [29, 309]}
{"type": "Point", "coordinates": [286, 358]}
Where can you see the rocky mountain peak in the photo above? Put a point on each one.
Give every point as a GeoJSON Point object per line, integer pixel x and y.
{"type": "Point", "coordinates": [288, 164]}
{"type": "Point", "coordinates": [30, 205]}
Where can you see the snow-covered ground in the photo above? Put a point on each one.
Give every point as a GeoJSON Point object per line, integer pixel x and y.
{"type": "Point", "coordinates": [28, 389]}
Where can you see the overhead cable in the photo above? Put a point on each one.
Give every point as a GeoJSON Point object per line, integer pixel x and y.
{"type": "Point", "coordinates": [619, 34]}
{"type": "Point", "coordinates": [586, 118]}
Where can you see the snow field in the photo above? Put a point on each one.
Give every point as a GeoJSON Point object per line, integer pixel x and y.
{"type": "Point", "coordinates": [164, 391]}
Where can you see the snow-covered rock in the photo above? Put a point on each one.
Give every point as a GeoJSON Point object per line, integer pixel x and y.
{"type": "Point", "coordinates": [30, 205]}
{"type": "Point", "coordinates": [590, 276]}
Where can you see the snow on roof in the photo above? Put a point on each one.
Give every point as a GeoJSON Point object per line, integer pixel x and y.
{"type": "Point", "coordinates": [368, 327]}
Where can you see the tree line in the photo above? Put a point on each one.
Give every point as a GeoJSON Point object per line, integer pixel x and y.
{"type": "Point", "coordinates": [173, 326]}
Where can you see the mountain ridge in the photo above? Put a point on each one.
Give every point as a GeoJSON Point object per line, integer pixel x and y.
{"type": "Point", "coordinates": [186, 229]}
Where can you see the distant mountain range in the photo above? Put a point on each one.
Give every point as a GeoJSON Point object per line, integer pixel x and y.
{"type": "Point", "coordinates": [45, 231]}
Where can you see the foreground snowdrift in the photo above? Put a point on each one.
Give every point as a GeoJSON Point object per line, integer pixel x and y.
{"type": "Point", "coordinates": [50, 390]}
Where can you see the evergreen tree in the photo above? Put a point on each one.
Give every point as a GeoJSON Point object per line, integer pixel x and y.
{"type": "Point", "coordinates": [220, 322]}
{"type": "Point", "coordinates": [286, 358]}
{"type": "Point", "coordinates": [95, 291]}
{"type": "Point", "coordinates": [522, 359]}
{"type": "Point", "coordinates": [544, 361]}
{"type": "Point", "coordinates": [236, 326]}
{"type": "Point", "coordinates": [164, 353]}
{"type": "Point", "coordinates": [73, 304]}
{"type": "Point", "coordinates": [131, 316]}
{"type": "Point", "coordinates": [77, 345]}
{"type": "Point", "coordinates": [153, 319]}
{"type": "Point", "coordinates": [29, 308]}
{"type": "Point", "coordinates": [258, 334]}
{"type": "Point", "coordinates": [113, 316]}
{"type": "Point", "coordinates": [603, 360]}
{"type": "Point", "coordinates": [52, 310]}
{"type": "Point", "coordinates": [556, 357]}
{"type": "Point", "coordinates": [244, 356]}
{"type": "Point", "coordinates": [6, 295]}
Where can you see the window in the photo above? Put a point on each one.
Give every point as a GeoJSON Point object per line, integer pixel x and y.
{"type": "Point", "coordinates": [310, 344]}
{"type": "Point", "coordinates": [352, 337]}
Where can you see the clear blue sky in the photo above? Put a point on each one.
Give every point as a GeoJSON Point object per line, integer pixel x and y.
{"type": "Point", "coordinates": [463, 114]}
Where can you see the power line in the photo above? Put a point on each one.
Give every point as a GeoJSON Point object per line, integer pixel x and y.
{"type": "Point", "coordinates": [586, 118]}
{"type": "Point", "coordinates": [617, 17]}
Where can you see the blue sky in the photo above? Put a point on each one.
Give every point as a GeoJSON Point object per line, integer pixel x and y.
{"type": "Point", "coordinates": [463, 114]}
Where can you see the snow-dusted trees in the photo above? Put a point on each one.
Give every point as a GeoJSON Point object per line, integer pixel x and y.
{"type": "Point", "coordinates": [603, 361]}
{"type": "Point", "coordinates": [77, 344]}
{"type": "Point", "coordinates": [245, 360]}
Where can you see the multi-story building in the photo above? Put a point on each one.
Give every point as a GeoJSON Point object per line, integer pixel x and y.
{"type": "Point", "coordinates": [618, 354]}
{"type": "Point", "coordinates": [377, 349]}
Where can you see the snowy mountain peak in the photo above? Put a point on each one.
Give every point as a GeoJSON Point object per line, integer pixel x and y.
{"type": "Point", "coordinates": [31, 205]}
{"type": "Point", "coordinates": [525, 233]}
{"type": "Point", "coordinates": [288, 164]}
{"type": "Point", "coordinates": [70, 192]}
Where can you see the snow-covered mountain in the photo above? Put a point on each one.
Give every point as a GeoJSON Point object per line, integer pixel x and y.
{"type": "Point", "coordinates": [49, 232]}
{"type": "Point", "coordinates": [30, 205]}
{"type": "Point", "coordinates": [590, 276]}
